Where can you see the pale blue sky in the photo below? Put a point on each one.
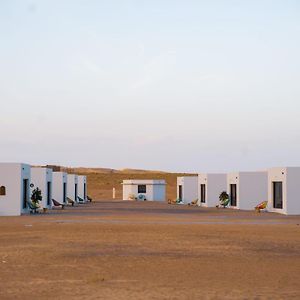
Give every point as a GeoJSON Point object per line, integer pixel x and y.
{"type": "Point", "coordinates": [171, 85]}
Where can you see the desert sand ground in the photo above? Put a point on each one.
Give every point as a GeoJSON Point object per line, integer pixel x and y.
{"type": "Point", "coordinates": [144, 250]}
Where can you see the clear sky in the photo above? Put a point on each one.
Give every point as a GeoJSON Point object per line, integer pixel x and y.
{"type": "Point", "coordinates": [207, 86]}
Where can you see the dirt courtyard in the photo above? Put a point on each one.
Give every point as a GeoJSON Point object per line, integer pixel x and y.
{"type": "Point", "coordinates": [144, 250]}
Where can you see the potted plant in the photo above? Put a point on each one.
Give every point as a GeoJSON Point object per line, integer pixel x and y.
{"type": "Point", "coordinates": [36, 196]}
{"type": "Point", "coordinates": [224, 199]}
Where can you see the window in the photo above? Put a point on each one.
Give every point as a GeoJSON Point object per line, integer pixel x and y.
{"type": "Point", "coordinates": [203, 196]}
{"type": "Point", "coordinates": [65, 192]}
{"type": "Point", "coordinates": [277, 195]}
{"type": "Point", "coordinates": [2, 191]}
{"type": "Point", "coordinates": [142, 189]}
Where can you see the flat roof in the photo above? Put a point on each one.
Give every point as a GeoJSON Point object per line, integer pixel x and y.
{"type": "Point", "coordinates": [144, 181]}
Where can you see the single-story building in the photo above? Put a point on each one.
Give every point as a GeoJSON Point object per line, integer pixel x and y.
{"type": "Point", "coordinates": [283, 190]}
{"type": "Point", "coordinates": [151, 190]}
{"type": "Point", "coordinates": [82, 187]}
{"type": "Point", "coordinates": [210, 186]}
{"type": "Point", "coordinates": [72, 187]}
{"type": "Point", "coordinates": [247, 189]}
{"type": "Point", "coordinates": [14, 188]}
{"type": "Point", "coordinates": [187, 188]}
{"type": "Point", "coordinates": [42, 178]}
{"type": "Point", "coordinates": [59, 186]}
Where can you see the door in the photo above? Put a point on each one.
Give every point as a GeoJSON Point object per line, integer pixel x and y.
{"type": "Point", "coordinates": [84, 191]}
{"type": "Point", "coordinates": [277, 195]}
{"type": "Point", "coordinates": [203, 193]}
{"type": "Point", "coordinates": [65, 193]}
{"type": "Point", "coordinates": [25, 192]}
{"type": "Point", "coordinates": [180, 192]}
{"type": "Point", "coordinates": [76, 192]}
{"type": "Point", "coordinates": [48, 192]}
{"type": "Point", "coordinates": [233, 195]}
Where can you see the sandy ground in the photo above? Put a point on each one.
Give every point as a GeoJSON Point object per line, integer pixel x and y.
{"type": "Point", "coordinates": [131, 250]}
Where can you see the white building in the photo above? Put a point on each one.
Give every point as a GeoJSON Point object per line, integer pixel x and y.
{"type": "Point", "coordinates": [283, 190]}
{"type": "Point", "coordinates": [59, 186]}
{"type": "Point", "coordinates": [14, 188]}
{"type": "Point", "coordinates": [72, 189]}
{"type": "Point", "coordinates": [82, 187]}
{"type": "Point", "coordinates": [210, 186]}
{"type": "Point", "coordinates": [42, 178]}
{"type": "Point", "coordinates": [187, 188]}
{"type": "Point", "coordinates": [247, 189]}
{"type": "Point", "coordinates": [151, 190]}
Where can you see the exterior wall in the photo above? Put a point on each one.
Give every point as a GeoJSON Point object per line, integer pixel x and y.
{"type": "Point", "coordinates": [58, 180]}
{"type": "Point", "coordinates": [292, 197]}
{"type": "Point", "coordinates": [40, 178]}
{"type": "Point", "coordinates": [72, 182]}
{"type": "Point", "coordinates": [155, 189]}
{"type": "Point", "coordinates": [189, 188]}
{"type": "Point", "coordinates": [159, 193]}
{"type": "Point", "coordinates": [252, 188]}
{"type": "Point", "coordinates": [11, 177]}
{"type": "Point", "coordinates": [214, 185]}
{"type": "Point", "coordinates": [290, 178]}
{"type": "Point", "coordinates": [81, 181]}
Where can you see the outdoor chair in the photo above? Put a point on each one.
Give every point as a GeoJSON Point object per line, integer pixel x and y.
{"type": "Point", "coordinates": [261, 206]}
{"type": "Point", "coordinates": [70, 201]}
{"type": "Point", "coordinates": [57, 204]}
{"type": "Point", "coordinates": [80, 200]}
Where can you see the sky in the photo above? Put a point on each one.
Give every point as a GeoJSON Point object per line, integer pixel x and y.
{"type": "Point", "coordinates": [185, 86]}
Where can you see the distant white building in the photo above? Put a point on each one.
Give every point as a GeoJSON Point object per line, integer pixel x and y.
{"type": "Point", "coordinates": [247, 189]}
{"type": "Point", "coordinates": [283, 190]}
{"type": "Point", "coordinates": [42, 178]}
{"type": "Point", "coordinates": [210, 186]}
{"type": "Point", "coordinates": [82, 187]}
{"type": "Point", "coordinates": [59, 186]}
{"type": "Point", "coordinates": [151, 190]}
{"type": "Point", "coordinates": [72, 189]}
{"type": "Point", "coordinates": [187, 188]}
{"type": "Point", "coordinates": [14, 188]}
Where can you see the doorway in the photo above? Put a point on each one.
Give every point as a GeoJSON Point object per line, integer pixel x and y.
{"type": "Point", "coordinates": [180, 192]}
{"type": "Point", "coordinates": [233, 197]}
{"type": "Point", "coordinates": [277, 195]}
{"type": "Point", "coordinates": [65, 192]}
{"type": "Point", "coordinates": [76, 192]}
{"type": "Point", "coordinates": [25, 192]}
{"type": "Point", "coordinates": [203, 193]}
{"type": "Point", "coordinates": [48, 192]}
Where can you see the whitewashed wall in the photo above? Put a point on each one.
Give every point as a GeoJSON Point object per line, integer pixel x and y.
{"type": "Point", "coordinates": [11, 177]}
{"type": "Point", "coordinates": [290, 178]}
{"type": "Point", "coordinates": [58, 181]}
{"type": "Point", "coordinates": [82, 181]}
{"type": "Point", "coordinates": [71, 189]}
{"type": "Point", "coordinates": [215, 184]}
{"type": "Point", "coordinates": [252, 188]}
{"type": "Point", "coordinates": [40, 178]}
{"type": "Point", "coordinates": [189, 188]}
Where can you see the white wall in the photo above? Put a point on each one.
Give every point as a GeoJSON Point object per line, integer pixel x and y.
{"type": "Point", "coordinates": [189, 188]}
{"type": "Point", "coordinates": [290, 178]}
{"type": "Point", "coordinates": [12, 176]}
{"type": "Point", "coordinates": [58, 181]}
{"type": "Point", "coordinates": [40, 178]}
{"type": "Point", "coordinates": [155, 189]}
{"type": "Point", "coordinates": [72, 182]}
{"type": "Point", "coordinates": [252, 188]}
{"type": "Point", "coordinates": [214, 185]}
{"type": "Point", "coordinates": [81, 182]}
